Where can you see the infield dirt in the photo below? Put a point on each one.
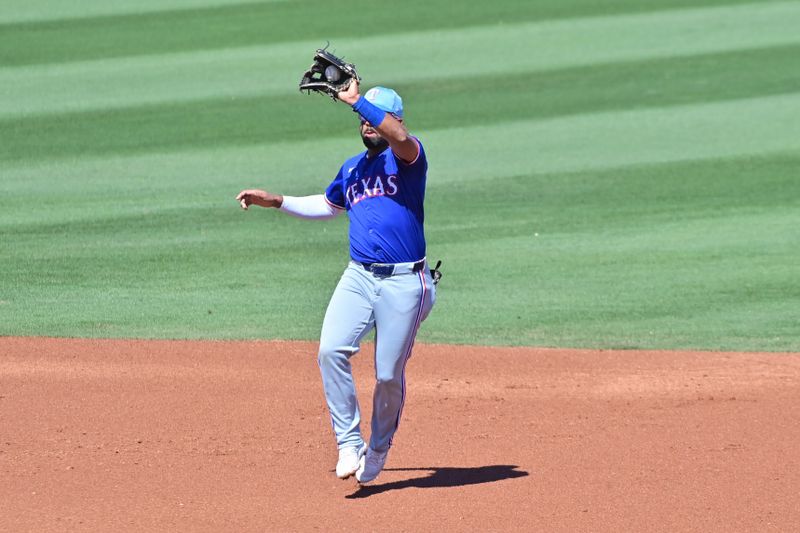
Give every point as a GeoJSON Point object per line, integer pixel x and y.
{"type": "Point", "coordinates": [124, 435]}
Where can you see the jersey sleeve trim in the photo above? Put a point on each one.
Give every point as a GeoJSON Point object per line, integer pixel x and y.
{"type": "Point", "coordinates": [419, 153]}
{"type": "Point", "coordinates": [333, 204]}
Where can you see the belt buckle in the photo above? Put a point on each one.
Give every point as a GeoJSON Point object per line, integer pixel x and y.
{"type": "Point", "coordinates": [383, 271]}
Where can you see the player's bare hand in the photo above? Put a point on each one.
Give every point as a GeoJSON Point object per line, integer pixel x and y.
{"type": "Point", "coordinates": [350, 95]}
{"type": "Point", "coordinates": [249, 197]}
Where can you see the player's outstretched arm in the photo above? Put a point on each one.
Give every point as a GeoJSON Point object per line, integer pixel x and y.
{"type": "Point", "coordinates": [391, 129]}
{"type": "Point", "coordinates": [249, 197]}
{"type": "Point", "coordinates": [314, 207]}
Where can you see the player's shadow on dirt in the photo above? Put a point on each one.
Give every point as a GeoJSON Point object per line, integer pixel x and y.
{"type": "Point", "coordinates": [443, 477]}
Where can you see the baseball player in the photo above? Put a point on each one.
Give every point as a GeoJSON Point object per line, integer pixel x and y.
{"type": "Point", "coordinates": [387, 285]}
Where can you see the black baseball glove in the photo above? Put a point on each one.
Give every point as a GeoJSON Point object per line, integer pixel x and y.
{"type": "Point", "coordinates": [328, 74]}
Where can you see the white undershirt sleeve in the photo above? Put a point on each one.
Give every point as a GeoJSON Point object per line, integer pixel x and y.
{"type": "Point", "coordinates": [314, 207]}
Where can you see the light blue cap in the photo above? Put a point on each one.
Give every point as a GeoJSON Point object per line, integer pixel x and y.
{"type": "Point", "coordinates": [386, 99]}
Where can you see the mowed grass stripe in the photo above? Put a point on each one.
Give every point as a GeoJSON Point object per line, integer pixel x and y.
{"type": "Point", "coordinates": [251, 23]}
{"type": "Point", "coordinates": [48, 11]}
{"type": "Point", "coordinates": [629, 199]}
{"type": "Point", "coordinates": [504, 50]}
{"type": "Point", "coordinates": [622, 138]}
{"type": "Point", "coordinates": [599, 140]}
{"type": "Point", "coordinates": [588, 141]}
{"type": "Point", "coordinates": [430, 105]}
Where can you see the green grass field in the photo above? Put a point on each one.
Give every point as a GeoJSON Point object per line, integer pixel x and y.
{"type": "Point", "coordinates": [617, 174]}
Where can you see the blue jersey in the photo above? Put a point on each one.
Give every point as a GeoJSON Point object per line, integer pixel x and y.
{"type": "Point", "coordinates": [383, 197]}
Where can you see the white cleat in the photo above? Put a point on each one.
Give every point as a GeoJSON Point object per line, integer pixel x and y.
{"type": "Point", "coordinates": [349, 460]}
{"type": "Point", "coordinates": [370, 466]}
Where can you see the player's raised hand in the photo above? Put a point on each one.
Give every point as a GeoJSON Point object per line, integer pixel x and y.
{"type": "Point", "coordinates": [249, 197]}
{"type": "Point", "coordinates": [350, 95]}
